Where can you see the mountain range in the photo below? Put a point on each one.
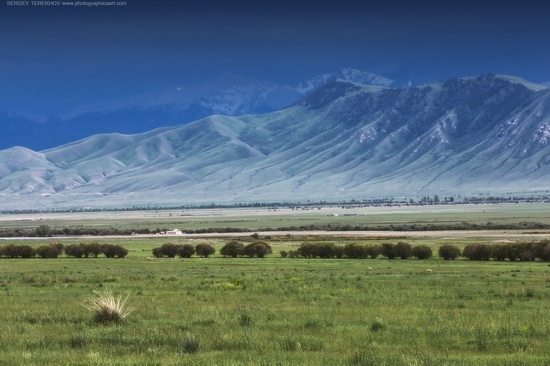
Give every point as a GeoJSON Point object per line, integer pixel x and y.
{"type": "Point", "coordinates": [230, 95]}
{"type": "Point", "coordinates": [343, 140]}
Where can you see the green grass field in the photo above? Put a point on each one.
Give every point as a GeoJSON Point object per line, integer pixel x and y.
{"type": "Point", "coordinates": [276, 311]}
{"type": "Point", "coordinates": [279, 311]}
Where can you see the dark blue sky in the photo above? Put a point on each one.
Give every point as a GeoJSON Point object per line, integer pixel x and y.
{"type": "Point", "coordinates": [57, 57]}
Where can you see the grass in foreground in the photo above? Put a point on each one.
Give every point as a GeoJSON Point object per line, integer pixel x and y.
{"type": "Point", "coordinates": [275, 311]}
{"type": "Point", "coordinates": [108, 308]}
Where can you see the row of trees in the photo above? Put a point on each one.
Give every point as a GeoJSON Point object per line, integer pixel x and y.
{"type": "Point", "coordinates": [183, 250]}
{"type": "Point", "coordinates": [523, 251]}
{"type": "Point", "coordinates": [232, 249]}
{"type": "Point", "coordinates": [401, 250]}
{"type": "Point", "coordinates": [236, 249]}
{"type": "Point", "coordinates": [54, 250]}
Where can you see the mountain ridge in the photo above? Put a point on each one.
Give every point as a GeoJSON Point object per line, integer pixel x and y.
{"type": "Point", "coordinates": [343, 141]}
{"type": "Point", "coordinates": [228, 94]}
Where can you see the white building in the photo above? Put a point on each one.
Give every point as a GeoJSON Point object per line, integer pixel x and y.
{"type": "Point", "coordinates": [174, 232]}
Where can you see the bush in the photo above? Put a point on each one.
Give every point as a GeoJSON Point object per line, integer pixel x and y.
{"type": "Point", "coordinates": [256, 249]}
{"type": "Point", "coordinates": [545, 255]}
{"type": "Point", "coordinates": [17, 251]}
{"type": "Point", "coordinates": [325, 250]}
{"type": "Point", "coordinates": [166, 250]}
{"type": "Point", "coordinates": [422, 252]}
{"type": "Point", "coordinates": [205, 250]}
{"type": "Point", "coordinates": [43, 230]}
{"type": "Point", "coordinates": [232, 249]}
{"type": "Point", "coordinates": [403, 250]}
{"type": "Point", "coordinates": [388, 250]}
{"type": "Point", "coordinates": [93, 249]}
{"type": "Point", "coordinates": [294, 254]}
{"type": "Point", "coordinates": [307, 250]}
{"type": "Point", "coordinates": [283, 253]}
{"type": "Point", "coordinates": [477, 252]}
{"type": "Point", "coordinates": [75, 250]}
{"type": "Point", "coordinates": [449, 252]}
{"type": "Point", "coordinates": [50, 251]}
{"type": "Point", "coordinates": [112, 251]}
{"type": "Point", "coordinates": [186, 251]}
{"type": "Point", "coordinates": [338, 251]}
{"type": "Point", "coordinates": [355, 251]}
{"type": "Point", "coordinates": [26, 251]}
{"type": "Point", "coordinates": [373, 250]}
{"type": "Point", "coordinates": [499, 251]}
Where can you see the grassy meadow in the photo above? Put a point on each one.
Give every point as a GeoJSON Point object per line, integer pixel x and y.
{"type": "Point", "coordinates": [275, 311]}
{"type": "Point", "coordinates": [279, 311]}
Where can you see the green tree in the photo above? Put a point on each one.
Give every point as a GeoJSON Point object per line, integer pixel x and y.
{"type": "Point", "coordinates": [449, 251]}
{"type": "Point", "coordinates": [205, 250]}
{"type": "Point", "coordinates": [186, 251]}
{"type": "Point", "coordinates": [422, 252]}
{"type": "Point", "coordinates": [232, 249]}
{"type": "Point", "coordinates": [43, 230]}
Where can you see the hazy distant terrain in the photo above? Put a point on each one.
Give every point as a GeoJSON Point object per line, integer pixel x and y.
{"type": "Point", "coordinates": [344, 140]}
{"type": "Point", "coordinates": [229, 95]}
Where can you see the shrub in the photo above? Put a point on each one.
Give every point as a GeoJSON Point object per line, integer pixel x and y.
{"type": "Point", "coordinates": [403, 250]}
{"type": "Point", "coordinates": [293, 254]}
{"type": "Point", "coordinates": [266, 244]}
{"type": "Point", "coordinates": [325, 250]}
{"type": "Point", "coordinates": [75, 250]}
{"type": "Point", "coordinates": [546, 253]}
{"type": "Point", "coordinates": [338, 251]}
{"type": "Point", "coordinates": [50, 251]}
{"type": "Point", "coordinates": [499, 251]}
{"type": "Point", "coordinates": [232, 249]}
{"type": "Point", "coordinates": [449, 252]}
{"type": "Point", "coordinates": [93, 249]}
{"type": "Point", "coordinates": [513, 251]}
{"type": "Point", "coordinates": [528, 251]}
{"type": "Point", "coordinates": [373, 250]}
{"type": "Point", "coordinates": [205, 250]}
{"type": "Point", "coordinates": [388, 250]}
{"type": "Point", "coordinates": [43, 230]}
{"type": "Point", "coordinates": [540, 247]}
{"type": "Point", "coordinates": [283, 253]}
{"type": "Point", "coordinates": [17, 251]}
{"type": "Point", "coordinates": [355, 251]}
{"type": "Point", "coordinates": [477, 252]}
{"type": "Point", "coordinates": [107, 308]}
{"type": "Point", "coordinates": [169, 250]}
{"type": "Point", "coordinates": [112, 251]}
{"type": "Point", "coordinates": [422, 252]}
{"type": "Point", "coordinates": [307, 250]}
{"type": "Point", "coordinates": [26, 251]}
{"type": "Point", "coordinates": [8, 251]}
{"type": "Point", "coordinates": [256, 249]}
{"type": "Point", "coordinates": [186, 251]}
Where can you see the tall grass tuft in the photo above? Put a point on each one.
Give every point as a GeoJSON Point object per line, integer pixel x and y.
{"type": "Point", "coordinates": [107, 308]}
{"type": "Point", "coordinates": [191, 343]}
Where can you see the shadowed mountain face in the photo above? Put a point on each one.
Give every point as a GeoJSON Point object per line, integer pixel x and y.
{"type": "Point", "coordinates": [229, 95]}
{"type": "Point", "coordinates": [343, 141]}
